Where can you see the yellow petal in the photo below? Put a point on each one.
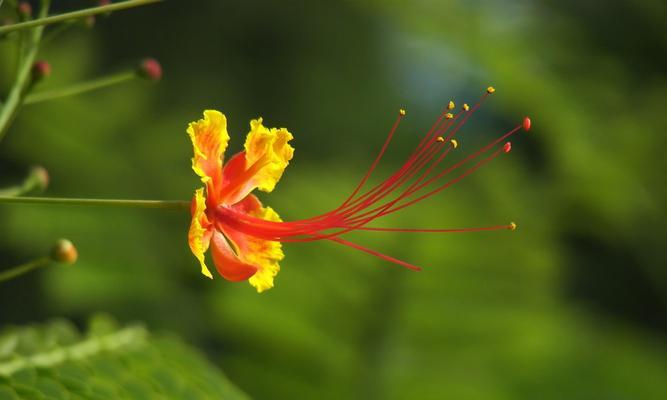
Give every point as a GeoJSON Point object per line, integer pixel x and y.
{"type": "Point", "coordinates": [200, 232]}
{"type": "Point", "coordinates": [268, 152]}
{"type": "Point", "coordinates": [265, 254]}
{"type": "Point", "coordinates": [209, 139]}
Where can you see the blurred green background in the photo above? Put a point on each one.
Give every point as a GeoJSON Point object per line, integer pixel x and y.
{"type": "Point", "coordinates": [571, 305]}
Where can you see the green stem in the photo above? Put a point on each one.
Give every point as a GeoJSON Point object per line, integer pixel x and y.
{"type": "Point", "coordinates": [79, 88]}
{"type": "Point", "coordinates": [24, 268]}
{"type": "Point", "coordinates": [43, 20]}
{"type": "Point", "coordinates": [13, 101]}
{"type": "Point", "coordinates": [30, 183]}
{"type": "Point", "coordinates": [161, 204]}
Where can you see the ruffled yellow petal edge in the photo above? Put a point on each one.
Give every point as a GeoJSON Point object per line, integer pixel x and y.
{"type": "Point", "coordinates": [209, 139]}
{"type": "Point", "coordinates": [265, 254]}
{"type": "Point", "coordinates": [199, 235]}
{"type": "Point", "coordinates": [268, 151]}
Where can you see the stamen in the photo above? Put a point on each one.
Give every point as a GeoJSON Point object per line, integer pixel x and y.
{"type": "Point", "coordinates": [404, 186]}
{"type": "Point", "coordinates": [456, 230]}
{"type": "Point", "coordinates": [376, 254]}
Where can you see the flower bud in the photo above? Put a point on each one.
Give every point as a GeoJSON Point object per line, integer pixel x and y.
{"type": "Point", "coordinates": [89, 21]}
{"type": "Point", "coordinates": [150, 69]}
{"type": "Point", "coordinates": [40, 176]}
{"type": "Point", "coordinates": [102, 3]}
{"type": "Point", "coordinates": [40, 70]}
{"type": "Point", "coordinates": [24, 10]}
{"type": "Point", "coordinates": [64, 252]}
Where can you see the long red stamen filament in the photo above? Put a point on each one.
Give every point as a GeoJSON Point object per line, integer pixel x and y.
{"type": "Point", "coordinates": [359, 209]}
{"type": "Point", "coordinates": [376, 253]}
{"type": "Point", "coordinates": [420, 230]}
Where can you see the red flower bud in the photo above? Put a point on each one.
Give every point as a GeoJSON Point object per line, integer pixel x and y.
{"type": "Point", "coordinates": [150, 69]}
{"type": "Point", "coordinates": [40, 70]}
{"type": "Point", "coordinates": [64, 252]}
{"type": "Point", "coordinates": [526, 124]}
{"type": "Point", "coordinates": [24, 10]}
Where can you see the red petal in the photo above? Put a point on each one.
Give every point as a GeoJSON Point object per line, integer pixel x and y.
{"type": "Point", "coordinates": [233, 168]}
{"type": "Point", "coordinates": [227, 263]}
{"type": "Point", "coordinates": [250, 204]}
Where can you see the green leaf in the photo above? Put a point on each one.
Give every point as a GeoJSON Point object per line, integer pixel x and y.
{"type": "Point", "coordinates": [54, 361]}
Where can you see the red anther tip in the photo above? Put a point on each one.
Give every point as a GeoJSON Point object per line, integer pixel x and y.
{"type": "Point", "coordinates": [507, 147]}
{"type": "Point", "coordinates": [526, 124]}
{"type": "Point", "coordinates": [40, 70]}
{"type": "Point", "coordinates": [150, 69]}
{"type": "Point", "coordinates": [101, 3]}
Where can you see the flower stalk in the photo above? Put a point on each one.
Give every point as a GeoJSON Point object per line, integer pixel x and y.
{"type": "Point", "coordinates": [24, 268]}
{"type": "Point", "coordinates": [37, 180]}
{"type": "Point", "coordinates": [158, 204]}
{"type": "Point", "coordinates": [43, 20]}
{"type": "Point", "coordinates": [63, 252]}
{"type": "Point", "coordinates": [81, 87]}
{"type": "Point", "coordinates": [13, 101]}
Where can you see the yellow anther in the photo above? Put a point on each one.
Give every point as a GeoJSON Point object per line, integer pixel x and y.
{"type": "Point", "coordinates": [454, 143]}
{"type": "Point", "coordinates": [440, 139]}
{"type": "Point", "coordinates": [490, 89]}
{"type": "Point", "coordinates": [449, 115]}
{"type": "Point", "coordinates": [401, 112]}
{"type": "Point", "coordinates": [466, 107]}
{"type": "Point", "coordinates": [451, 105]}
{"type": "Point", "coordinates": [512, 226]}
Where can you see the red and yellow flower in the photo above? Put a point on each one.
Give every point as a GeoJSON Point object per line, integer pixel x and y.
{"type": "Point", "coordinates": [245, 237]}
{"type": "Point", "coordinates": [237, 256]}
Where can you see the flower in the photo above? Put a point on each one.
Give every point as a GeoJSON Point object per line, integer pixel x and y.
{"type": "Point", "coordinates": [245, 237]}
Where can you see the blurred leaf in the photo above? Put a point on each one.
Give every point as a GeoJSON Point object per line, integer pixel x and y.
{"type": "Point", "coordinates": [108, 362]}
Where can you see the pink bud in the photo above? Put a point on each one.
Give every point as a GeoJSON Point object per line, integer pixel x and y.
{"type": "Point", "coordinates": [507, 147]}
{"type": "Point", "coordinates": [526, 124]}
{"type": "Point", "coordinates": [40, 70]}
{"type": "Point", "coordinates": [150, 69]}
{"type": "Point", "coordinates": [24, 9]}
